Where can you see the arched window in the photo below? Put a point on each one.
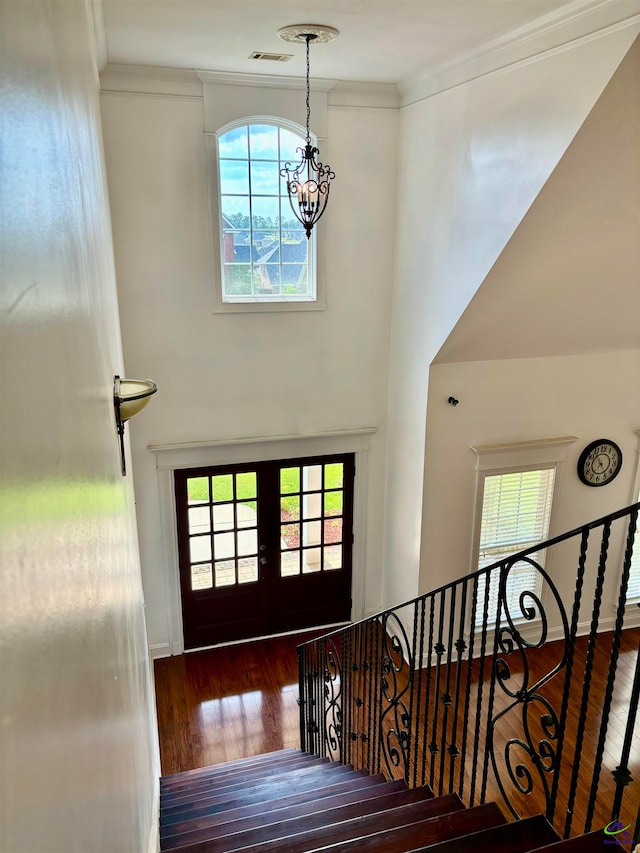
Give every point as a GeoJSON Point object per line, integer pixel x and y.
{"type": "Point", "coordinates": [264, 252]}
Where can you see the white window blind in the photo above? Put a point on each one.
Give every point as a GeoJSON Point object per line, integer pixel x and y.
{"type": "Point", "coordinates": [516, 509]}
{"type": "Point", "coordinates": [633, 590]}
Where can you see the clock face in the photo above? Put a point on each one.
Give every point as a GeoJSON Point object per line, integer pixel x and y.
{"type": "Point", "coordinates": [599, 462]}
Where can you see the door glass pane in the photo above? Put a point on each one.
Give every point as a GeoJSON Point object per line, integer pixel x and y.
{"type": "Point", "coordinates": [312, 506]}
{"type": "Point", "coordinates": [198, 490]}
{"type": "Point", "coordinates": [332, 557]}
{"type": "Point", "coordinates": [224, 545]}
{"type": "Point", "coordinates": [311, 532]}
{"type": "Point", "coordinates": [334, 475]}
{"type": "Point", "coordinates": [312, 478]}
{"type": "Point", "coordinates": [200, 548]}
{"type": "Point", "coordinates": [201, 577]}
{"type": "Point", "coordinates": [247, 542]}
{"type": "Point", "coordinates": [333, 530]}
{"type": "Point", "coordinates": [290, 535]}
{"type": "Point", "coordinates": [289, 480]}
{"type": "Point", "coordinates": [289, 563]}
{"type": "Point", "coordinates": [199, 519]}
{"type": "Point", "coordinates": [222, 487]}
{"type": "Point", "coordinates": [247, 515]}
{"type": "Point", "coordinates": [290, 508]}
{"type": "Point", "coordinates": [222, 517]}
{"type": "Point", "coordinates": [225, 573]}
{"type": "Point", "coordinates": [246, 486]}
{"type": "Point", "coordinates": [311, 559]}
{"type": "Point", "coordinates": [333, 503]}
{"type": "Point", "coordinates": [248, 570]}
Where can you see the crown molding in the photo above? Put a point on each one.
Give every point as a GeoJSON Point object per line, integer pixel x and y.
{"type": "Point", "coordinates": [575, 23]}
{"type": "Point", "coordinates": [266, 81]}
{"type": "Point", "coordinates": [150, 80]}
{"type": "Point", "coordinates": [375, 95]}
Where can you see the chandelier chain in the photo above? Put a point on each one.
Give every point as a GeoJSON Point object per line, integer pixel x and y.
{"type": "Point", "coordinates": [308, 40]}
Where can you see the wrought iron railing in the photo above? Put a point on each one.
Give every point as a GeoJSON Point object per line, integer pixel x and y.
{"type": "Point", "coordinates": [524, 696]}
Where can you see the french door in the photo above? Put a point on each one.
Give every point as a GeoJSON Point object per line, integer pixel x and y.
{"type": "Point", "coordinates": [264, 548]}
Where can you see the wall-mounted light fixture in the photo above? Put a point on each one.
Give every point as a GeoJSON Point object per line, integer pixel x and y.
{"type": "Point", "coordinates": [130, 396]}
{"type": "Point", "coordinates": [308, 183]}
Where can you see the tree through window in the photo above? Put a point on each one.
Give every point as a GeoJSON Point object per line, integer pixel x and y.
{"type": "Point", "coordinates": [265, 254]}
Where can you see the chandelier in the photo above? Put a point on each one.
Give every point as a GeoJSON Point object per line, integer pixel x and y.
{"type": "Point", "coordinates": [308, 183]}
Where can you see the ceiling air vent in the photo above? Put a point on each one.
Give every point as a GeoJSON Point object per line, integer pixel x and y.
{"type": "Point", "coordinates": [272, 57]}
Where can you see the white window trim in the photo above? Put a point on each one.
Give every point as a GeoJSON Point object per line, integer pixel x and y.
{"type": "Point", "coordinates": [518, 456]}
{"type": "Point", "coordinates": [318, 242]}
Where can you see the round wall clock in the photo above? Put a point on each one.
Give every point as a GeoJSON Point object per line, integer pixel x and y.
{"type": "Point", "coordinates": [599, 462]}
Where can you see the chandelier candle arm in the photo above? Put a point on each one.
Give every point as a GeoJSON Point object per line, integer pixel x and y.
{"type": "Point", "coordinates": [309, 183]}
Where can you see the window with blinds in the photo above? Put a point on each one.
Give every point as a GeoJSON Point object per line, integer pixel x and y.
{"type": "Point", "coordinates": [633, 589]}
{"type": "Point", "coordinates": [516, 509]}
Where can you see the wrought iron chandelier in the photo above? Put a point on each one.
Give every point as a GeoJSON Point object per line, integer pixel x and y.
{"type": "Point", "coordinates": [308, 184]}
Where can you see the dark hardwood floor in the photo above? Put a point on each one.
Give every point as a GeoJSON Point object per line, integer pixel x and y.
{"type": "Point", "coordinates": [226, 703]}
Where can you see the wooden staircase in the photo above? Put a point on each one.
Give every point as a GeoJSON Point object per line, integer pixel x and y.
{"type": "Point", "coordinates": [291, 802]}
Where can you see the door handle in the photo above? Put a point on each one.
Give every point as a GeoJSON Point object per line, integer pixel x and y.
{"type": "Point", "coordinates": [263, 561]}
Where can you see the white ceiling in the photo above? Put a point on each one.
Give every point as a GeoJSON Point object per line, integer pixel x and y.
{"type": "Point", "coordinates": [384, 41]}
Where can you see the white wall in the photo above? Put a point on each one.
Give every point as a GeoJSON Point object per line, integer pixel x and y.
{"type": "Point", "coordinates": [473, 159]}
{"type": "Point", "coordinates": [78, 754]}
{"type": "Point", "coordinates": [588, 396]}
{"type": "Point", "coordinates": [228, 376]}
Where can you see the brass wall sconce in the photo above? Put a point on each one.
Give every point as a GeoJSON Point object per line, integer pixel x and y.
{"type": "Point", "coordinates": [130, 396]}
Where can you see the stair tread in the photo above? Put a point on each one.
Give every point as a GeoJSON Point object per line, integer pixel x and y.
{"type": "Point", "coordinates": [516, 837]}
{"type": "Point", "coordinates": [275, 827]}
{"type": "Point", "coordinates": [400, 823]}
{"type": "Point", "coordinates": [220, 775]}
{"type": "Point", "coordinates": [237, 763]}
{"type": "Point", "coordinates": [363, 788]}
{"type": "Point", "coordinates": [592, 842]}
{"type": "Point", "coordinates": [218, 786]}
{"type": "Point", "coordinates": [256, 795]}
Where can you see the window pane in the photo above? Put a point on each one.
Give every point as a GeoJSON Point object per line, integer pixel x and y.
{"type": "Point", "coordinates": [289, 563]}
{"type": "Point", "coordinates": [246, 485]}
{"type": "Point", "coordinates": [234, 143]}
{"type": "Point", "coordinates": [333, 503]}
{"type": "Point", "coordinates": [201, 577]}
{"type": "Point", "coordinates": [246, 514]}
{"type": "Point", "coordinates": [225, 573]}
{"type": "Point", "coordinates": [198, 490]}
{"type": "Point", "coordinates": [199, 520]}
{"type": "Point", "coordinates": [234, 177]}
{"type": "Point", "coordinates": [263, 142]}
{"type": "Point", "coordinates": [333, 557]}
{"type": "Point", "coordinates": [223, 517]}
{"type": "Point", "coordinates": [265, 179]}
{"type": "Point", "coordinates": [333, 530]}
{"type": "Point", "coordinates": [265, 212]}
{"type": "Point", "coordinates": [247, 542]}
{"type": "Point", "coordinates": [224, 545]}
{"type": "Point", "coordinates": [290, 535]}
{"type": "Point", "coordinates": [237, 280]}
{"type": "Point", "coordinates": [334, 475]}
{"type": "Point", "coordinates": [265, 248]}
{"type": "Point", "coordinates": [312, 477]}
{"type": "Point", "coordinates": [312, 506]}
{"type": "Point", "coordinates": [289, 480]}
{"type": "Point", "coordinates": [236, 210]}
{"type": "Point", "coordinates": [248, 570]}
{"type": "Point", "coordinates": [290, 508]}
{"type": "Point", "coordinates": [199, 549]}
{"type": "Point", "coordinates": [311, 531]}
{"type": "Point", "coordinates": [311, 560]}
{"type": "Point", "coordinates": [270, 276]}
{"type": "Point", "coordinates": [222, 487]}
{"type": "Point", "coordinates": [289, 143]}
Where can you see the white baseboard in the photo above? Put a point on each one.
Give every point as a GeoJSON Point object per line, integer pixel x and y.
{"type": "Point", "coordinates": [160, 650]}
